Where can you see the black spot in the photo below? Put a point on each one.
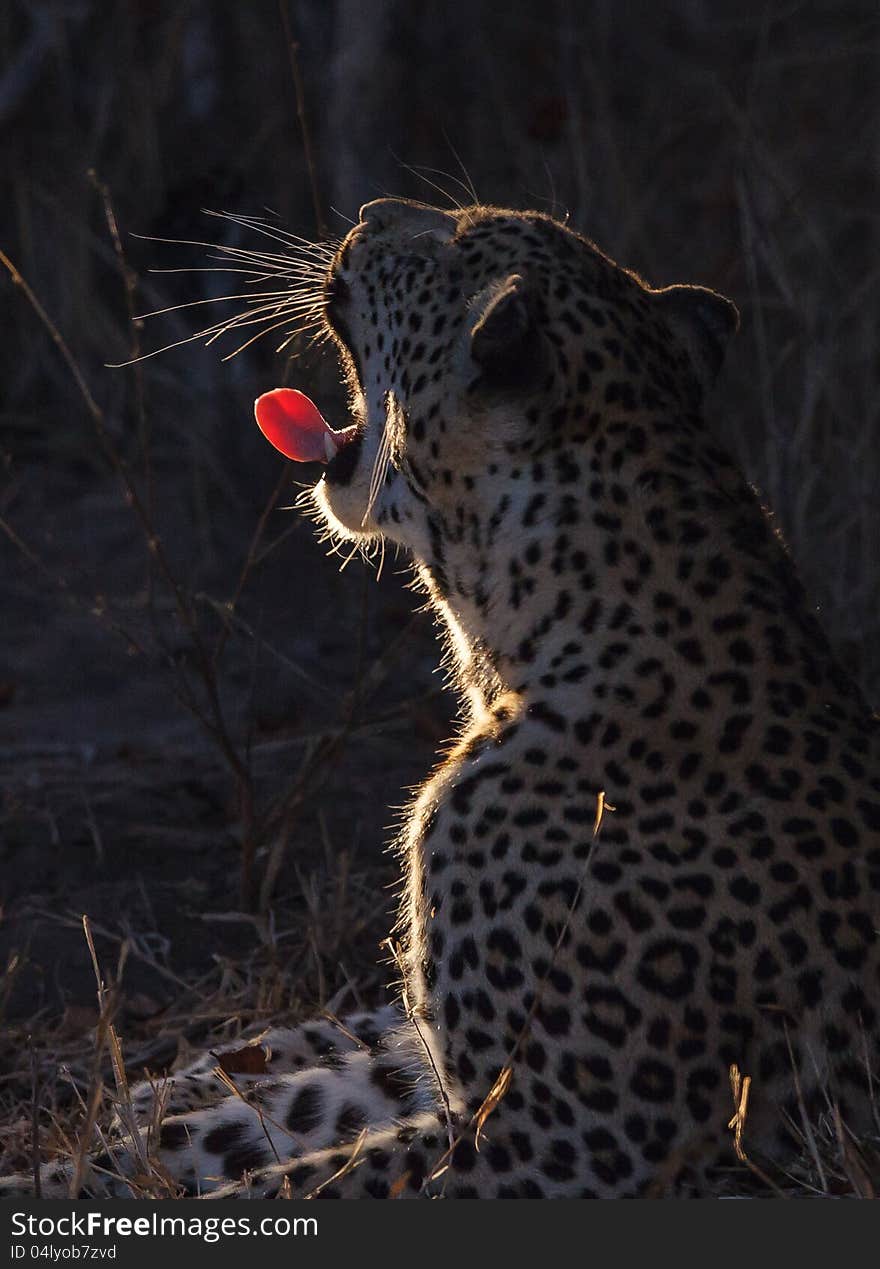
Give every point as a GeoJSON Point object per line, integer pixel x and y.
{"type": "Point", "coordinates": [246, 1158]}
{"type": "Point", "coordinates": [349, 1122]}
{"type": "Point", "coordinates": [175, 1135]}
{"type": "Point", "coordinates": [653, 1081]}
{"type": "Point", "coordinates": [393, 1082]}
{"type": "Point", "coordinates": [306, 1110]}
{"type": "Point", "coordinates": [844, 833]}
{"type": "Point", "coordinates": [667, 967]}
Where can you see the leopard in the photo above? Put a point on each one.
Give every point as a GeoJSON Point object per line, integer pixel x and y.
{"type": "Point", "coordinates": [640, 887]}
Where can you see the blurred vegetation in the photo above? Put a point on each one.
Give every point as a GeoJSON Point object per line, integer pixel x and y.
{"type": "Point", "coordinates": [734, 145]}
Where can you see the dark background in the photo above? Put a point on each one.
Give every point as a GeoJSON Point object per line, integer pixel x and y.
{"type": "Point", "coordinates": [150, 732]}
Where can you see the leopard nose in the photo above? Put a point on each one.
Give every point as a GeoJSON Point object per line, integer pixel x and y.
{"type": "Point", "coordinates": [401, 213]}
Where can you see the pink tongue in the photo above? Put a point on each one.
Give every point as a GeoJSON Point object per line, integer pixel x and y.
{"type": "Point", "coordinates": [294, 425]}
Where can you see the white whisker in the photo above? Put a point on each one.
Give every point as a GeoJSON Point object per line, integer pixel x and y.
{"type": "Point", "coordinates": [210, 333]}
{"type": "Point", "coordinates": [321, 336]}
{"type": "Point", "coordinates": [379, 472]}
{"type": "Point", "coordinates": [342, 215]}
{"type": "Point", "coordinates": [273, 266]}
{"type": "Point", "coordinates": [287, 287]}
{"type": "Point", "coordinates": [354, 551]}
{"type": "Point", "coordinates": [133, 361]}
{"type": "Point", "coordinates": [254, 338]}
{"type": "Point", "coordinates": [239, 253]}
{"type": "Point", "coordinates": [419, 170]}
{"type": "Point", "coordinates": [419, 173]}
{"type": "Point", "coordinates": [320, 333]}
{"type": "Point", "coordinates": [214, 268]}
{"type": "Point", "coordinates": [255, 317]}
{"type": "Point", "coordinates": [284, 236]}
{"type": "Point", "coordinates": [282, 263]}
{"type": "Point", "coordinates": [214, 299]}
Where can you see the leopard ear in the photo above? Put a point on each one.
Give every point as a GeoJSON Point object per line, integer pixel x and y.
{"type": "Point", "coordinates": [504, 341]}
{"type": "Point", "coordinates": [704, 321]}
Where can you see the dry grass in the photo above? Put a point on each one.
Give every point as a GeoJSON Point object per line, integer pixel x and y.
{"type": "Point", "coordinates": [64, 1078]}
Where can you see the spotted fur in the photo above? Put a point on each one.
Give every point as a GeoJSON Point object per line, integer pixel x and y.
{"type": "Point", "coordinates": [653, 854]}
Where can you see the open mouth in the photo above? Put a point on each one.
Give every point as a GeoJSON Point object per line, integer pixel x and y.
{"type": "Point", "coordinates": [341, 467]}
{"type": "Point", "coordinates": [292, 422]}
